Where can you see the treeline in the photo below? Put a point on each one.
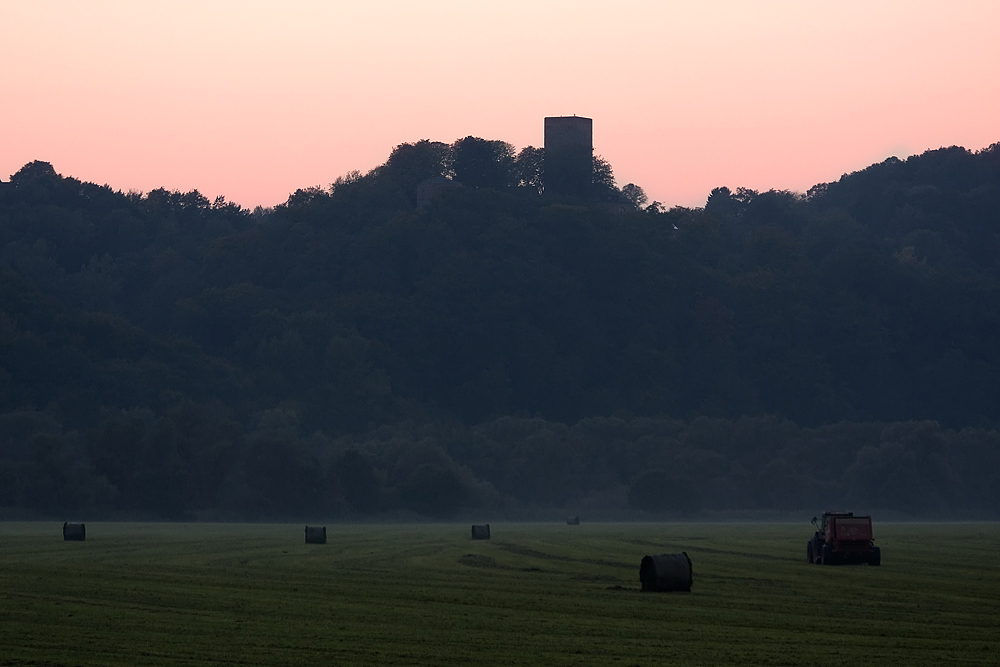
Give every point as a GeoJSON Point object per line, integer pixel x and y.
{"type": "Point", "coordinates": [172, 356]}
{"type": "Point", "coordinates": [186, 462]}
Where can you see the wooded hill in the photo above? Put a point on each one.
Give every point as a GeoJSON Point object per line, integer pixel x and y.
{"type": "Point", "coordinates": [500, 350]}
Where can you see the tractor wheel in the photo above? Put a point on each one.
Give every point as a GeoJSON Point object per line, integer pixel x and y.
{"type": "Point", "coordinates": [876, 556]}
{"type": "Point", "coordinates": [827, 555]}
{"type": "Point", "coordinates": [809, 552]}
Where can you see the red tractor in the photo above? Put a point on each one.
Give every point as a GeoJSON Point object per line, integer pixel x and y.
{"type": "Point", "coordinates": [843, 538]}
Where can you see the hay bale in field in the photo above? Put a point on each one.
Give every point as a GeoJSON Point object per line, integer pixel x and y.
{"type": "Point", "coordinates": [76, 532]}
{"type": "Point", "coordinates": [666, 572]}
{"type": "Point", "coordinates": [315, 534]}
{"type": "Point", "coordinates": [572, 521]}
{"type": "Point", "coordinates": [481, 532]}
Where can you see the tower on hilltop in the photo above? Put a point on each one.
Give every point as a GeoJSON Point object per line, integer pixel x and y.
{"type": "Point", "coordinates": [569, 155]}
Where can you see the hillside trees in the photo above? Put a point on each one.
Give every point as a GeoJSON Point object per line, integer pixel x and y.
{"type": "Point", "coordinates": [172, 356]}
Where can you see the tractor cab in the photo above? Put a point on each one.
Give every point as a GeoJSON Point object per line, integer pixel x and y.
{"type": "Point", "coordinates": [826, 528]}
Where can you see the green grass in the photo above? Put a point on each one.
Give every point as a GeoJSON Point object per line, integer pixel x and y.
{"type": "Point", "coordinates": [167, 594]}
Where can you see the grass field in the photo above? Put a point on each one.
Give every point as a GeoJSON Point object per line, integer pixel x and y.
{"type": "Point", "coordinates": [203, 594]}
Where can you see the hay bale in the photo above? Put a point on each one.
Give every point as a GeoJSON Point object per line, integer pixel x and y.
{"type": "Point", "coordinates": [572, 521]}
{"type": "Point", "coordinates": [666, 573]}
{"type": "Point", "coordinates": [315, 534]}
{"type": "Point", "coordinates": [481, 532]}
{"type": "Point", "coordinates": [76, 532]}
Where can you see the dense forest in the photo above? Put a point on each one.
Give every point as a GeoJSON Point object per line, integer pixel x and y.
{"type": "Point", "coordinates": [498, 351]}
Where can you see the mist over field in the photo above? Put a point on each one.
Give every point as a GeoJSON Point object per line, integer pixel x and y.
{"type": "Point", "coordinates": [502, 351]}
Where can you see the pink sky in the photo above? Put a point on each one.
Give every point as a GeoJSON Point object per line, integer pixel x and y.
{"type": "Point", "coordinates": [252, 100]}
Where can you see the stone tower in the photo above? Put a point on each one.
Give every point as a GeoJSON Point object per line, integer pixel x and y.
{"type": "Point", "coordinates": [569, 155]}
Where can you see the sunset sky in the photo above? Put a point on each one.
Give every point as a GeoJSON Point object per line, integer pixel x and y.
{"type": "Point", "coordinates": [252, 100]}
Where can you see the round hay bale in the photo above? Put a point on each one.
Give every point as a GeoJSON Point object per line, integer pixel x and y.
{"type": "Point", "coordinates": [76, 532]}
{"type": "Point", "coordinates": [572, 521]}
{"type": "Point", "coordinates": [315, 534]}
{"type": "Point", "coordinates": [481, 532]}
{"type": "Point", "coordinates": [666, 573]}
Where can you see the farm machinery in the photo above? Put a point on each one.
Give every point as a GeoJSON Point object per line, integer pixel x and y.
{"type": "Point", "coordinates": [842, 537]}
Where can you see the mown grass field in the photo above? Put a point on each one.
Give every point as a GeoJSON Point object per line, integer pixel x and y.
{"type": "Point", "coordinates": [547, 594]}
